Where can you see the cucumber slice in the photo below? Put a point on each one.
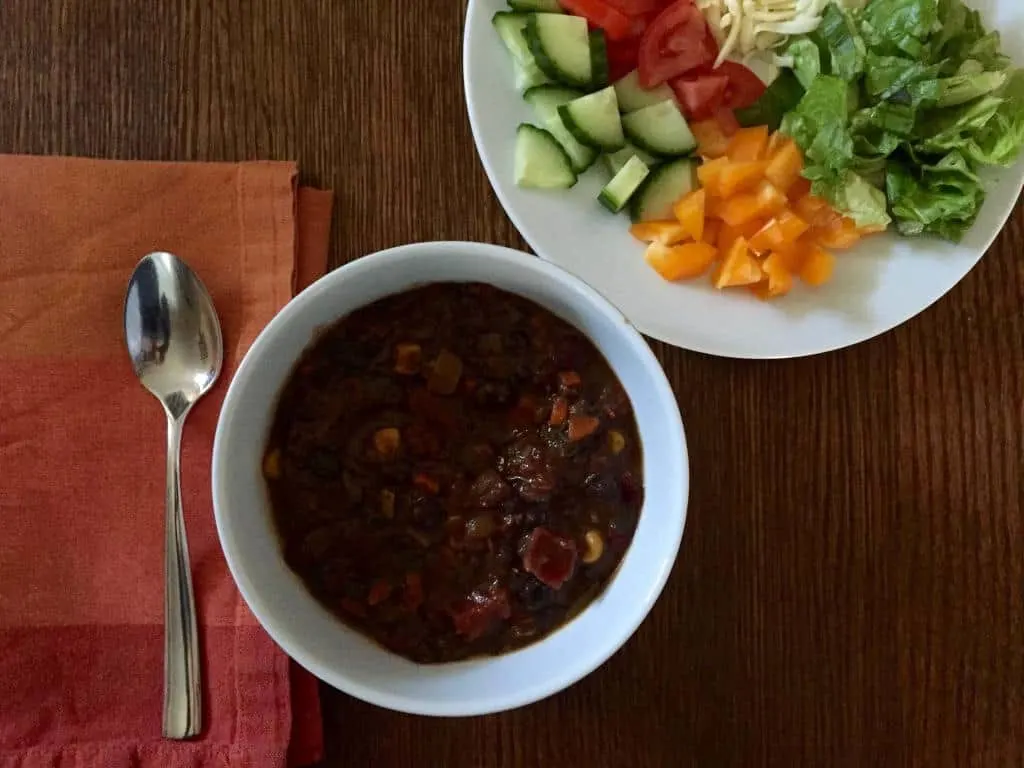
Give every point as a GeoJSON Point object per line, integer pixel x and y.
{"type": "Point", "coordinates": [561, 45]}
{"type": "Point", "coordinates": [598, 59]}
{"type": "Point", "coordinates": [660, 129]}
{"type": "Point", "coordinates": [541, 6]}
{"type": "Point", "coordinates": [509, 27]}
{"type": "Point", "coordinates": [662, 189]}
{"type": "Point", "coordinates": [546, 99]}
{"type": "Point", "coordinates": [621, 188]}
{"type": "Point", "coordinates": [581, 155]}
{"type": "Point", "coordinates": [528, 75]}
{"type": "Point", "coordinates": [633, 96]}
{"type": "Point", "coordinates": [616, 161]}
{"type": "Point", "coordinates": [594, 120]}
{"type": "Point", "coordinates": [541, 163]}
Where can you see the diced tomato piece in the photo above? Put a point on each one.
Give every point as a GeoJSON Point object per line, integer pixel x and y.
{"type": "Point", "coordinates": [480, 611]}
{"type": "Point", "coordinates": [745, 88]}
{"type": "Point", "coordinates": [700, 96]}
{"type": "Point", "coordinates": [675, 43]}
{"type": "Point", "coordinates": [616, 24]}
{"type": "Point", "coordinates": [638, 7]}
{"type": "Point", "coordinates": [549, 557]}
{"type": "Point", "coordinates": [622, 57]}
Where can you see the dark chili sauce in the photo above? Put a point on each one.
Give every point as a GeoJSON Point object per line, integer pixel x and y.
{"type": "Point", "coordinates": [454, 471]}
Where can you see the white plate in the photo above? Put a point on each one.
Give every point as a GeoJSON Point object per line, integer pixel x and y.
{"type": "Point", "coordinates": [884, 282]}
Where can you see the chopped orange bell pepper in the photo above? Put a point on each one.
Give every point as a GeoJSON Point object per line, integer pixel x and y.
{"type": "Point", "coordinates": [712, 228]}
{"type": "Point", "coordinates": [771, 200]}
{"type": "Point", "coordinates": [748, 144]}
{"type": "Point", "coordinates": [818, 266]}
{"type": "Point", "coordinates": [665, 232]}
{"type": "Point", "coordinates": [780, 280]}
{"type": "Point", "coordinates": [784, 229]}
{"type": "Point", "coordinates": [815, 211]}
{"type": "Point", "coordinates": [690, 212]}
{"type": "Point", "coordinates": [801, 188]}
{"type": "Point", "coordinates": [680, 262]}
{"type": "Point", "coordinates": [792, 255]}
{"type": "Point", "coordinates": [712, 140]}
{"type": "Point", "coordinates": [709, 174]}
{"type": "Point", "coordinates": [740, 177]}
{"type": "Point", "coordinates": [839, 234]}
{"type": "Point", "coordinates": [740, 209]}
{"type": "Point", "coordinates": [785, 166]}
{"type": "Point", "coordinates": [738, 268]}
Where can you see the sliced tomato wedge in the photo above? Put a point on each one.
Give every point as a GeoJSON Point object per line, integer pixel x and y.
{"type": "Point", "coordinates": [745, 87]}
{"type": "Point", "coordinates": [622, 57]}
{"type": "Point", "coordinates": [637, 7]}
{"type": "Point", "coordinates": [701, 96]}
{"type": "Point", "coordinates": [616, 24]}
{"type": "Point", "coordinates": [676, 42]}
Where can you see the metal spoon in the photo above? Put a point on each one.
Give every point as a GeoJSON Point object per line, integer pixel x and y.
{"type": "Point", "coordinates": [176, 348]}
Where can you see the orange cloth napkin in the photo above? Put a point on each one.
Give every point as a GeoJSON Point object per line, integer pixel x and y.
{"type": "Point", "coordinates": [82, 462]}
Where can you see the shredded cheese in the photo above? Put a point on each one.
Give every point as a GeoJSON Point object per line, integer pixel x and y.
{"type": "Point", "coordinates": [746, 27]}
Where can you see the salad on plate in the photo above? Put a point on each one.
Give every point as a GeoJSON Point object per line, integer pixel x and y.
{"type": "Point", "coordinates": [751, 140]}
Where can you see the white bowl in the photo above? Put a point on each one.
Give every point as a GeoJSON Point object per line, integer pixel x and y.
{"type": "Point", "coordinates": [344, 658]}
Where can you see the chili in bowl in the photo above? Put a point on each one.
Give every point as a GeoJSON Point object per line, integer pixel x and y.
{"type": "Point", "coordinates": [450, 479]}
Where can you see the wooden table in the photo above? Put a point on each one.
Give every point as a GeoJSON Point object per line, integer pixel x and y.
{"type": "Point", "coordinates": [850, 590]}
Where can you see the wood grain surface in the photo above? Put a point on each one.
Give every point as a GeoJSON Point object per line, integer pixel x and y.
{"type": "Point", "coordinates": [850, 590]}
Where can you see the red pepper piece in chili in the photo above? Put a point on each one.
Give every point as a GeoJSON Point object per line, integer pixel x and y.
{"type": "Point", "coordinates": [559, 412]}
{"type": "Point", "coordinates": [412, 598]}
{"type": "Point", "coordinates": [582, 426]}
{"type": "Point", "coordinates": [379, 592]}
{"type": "Point", "coordinates": [426, 483]}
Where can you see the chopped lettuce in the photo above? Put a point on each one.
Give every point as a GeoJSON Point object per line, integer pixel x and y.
{"type": "Point", "coordinates": [905, 101]}
{"type": "Point", "coordinates": [838, 31]}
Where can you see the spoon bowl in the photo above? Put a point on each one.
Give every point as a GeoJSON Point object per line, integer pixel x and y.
{"type": "Point", "coordinates": [172, 332]}
{"type": "Point", "coordinates": [177, 351]}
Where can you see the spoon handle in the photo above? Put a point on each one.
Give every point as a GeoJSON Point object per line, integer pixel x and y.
{"type": "Point", "coordinates": [182, 704]}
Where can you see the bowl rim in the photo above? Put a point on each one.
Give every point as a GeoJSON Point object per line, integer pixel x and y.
{"type": "Point", "coordinates": [290, 642]}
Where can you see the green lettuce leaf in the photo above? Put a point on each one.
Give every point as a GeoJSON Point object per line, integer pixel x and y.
{"type": "Point", "coordinates": [844, 44]}
{"type": "Point", "coordinates": [941, 199]}
{"type": "Point", "coordinates": [855, 196]}
{"type": "Point", "coordinates": [899, 27]}
{"type": "Point", "coordinates": [805, 60]}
